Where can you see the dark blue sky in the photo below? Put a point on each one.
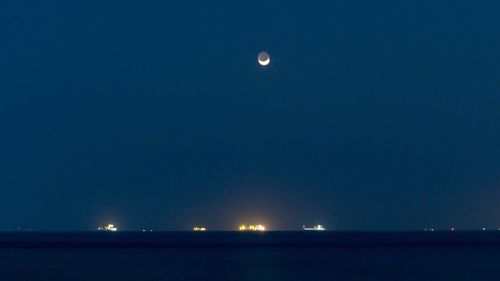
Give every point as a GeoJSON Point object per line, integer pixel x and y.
{"type": "Point", "coordinates": [372, 115]}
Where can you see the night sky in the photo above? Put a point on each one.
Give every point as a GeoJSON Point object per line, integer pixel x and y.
{"type": "Point", "coordinates": [373, 115]}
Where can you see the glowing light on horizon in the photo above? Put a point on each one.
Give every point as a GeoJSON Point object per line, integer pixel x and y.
{"type": "Point", "coordinates": [318, 227]}
{"type": "Point", "coordinates": [257, 227]}
{"type": "Point", "coordinates": [199, 228]}
{"type": "Point", "coordinates": [109, 227]}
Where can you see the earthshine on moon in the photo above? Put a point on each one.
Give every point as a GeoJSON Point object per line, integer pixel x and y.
{"type": "Point", "coordinates": [264, 58]}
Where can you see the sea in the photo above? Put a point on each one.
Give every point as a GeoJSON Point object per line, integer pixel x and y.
{"type": "Point", "coordinates": [242, 256]}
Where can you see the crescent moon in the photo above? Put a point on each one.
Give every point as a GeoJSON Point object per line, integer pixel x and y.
{"type": "Point", "coordinates": [264, 62]}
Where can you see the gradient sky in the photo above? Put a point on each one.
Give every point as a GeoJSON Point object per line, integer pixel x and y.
{"type": "Point", "coordinates": [372, 114]}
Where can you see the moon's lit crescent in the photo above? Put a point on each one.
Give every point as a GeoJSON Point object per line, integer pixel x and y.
{"type": "Point", "coordinates": [265, 62]}
{"type": "Point", "coordinates": [264, 58]}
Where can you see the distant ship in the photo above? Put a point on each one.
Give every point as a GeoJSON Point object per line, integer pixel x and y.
{"type": "Point", "coordinates": [257, 227]}
{"type": "Point", "coordinates": [109, 227]}
{"type": "Point", "coordinates": [318, 227]}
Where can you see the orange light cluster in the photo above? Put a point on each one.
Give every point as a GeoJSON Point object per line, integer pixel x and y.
{"type": "Point", "coordinates": [257, 227]}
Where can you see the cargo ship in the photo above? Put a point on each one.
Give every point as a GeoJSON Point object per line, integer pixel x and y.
{"type": "Point", "coordinates": [257, 227]}
{"type": "Point", "coordinates": [318, 227]}
{"type": "Point", "coordinates": [109, 227]}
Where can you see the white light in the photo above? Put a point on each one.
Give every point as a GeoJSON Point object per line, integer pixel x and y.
{"type": "Point", "coordinates": [318, 227]}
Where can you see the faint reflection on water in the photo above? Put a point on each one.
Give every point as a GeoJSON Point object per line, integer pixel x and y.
{"type": "Point", "coordinates": [248, 264]}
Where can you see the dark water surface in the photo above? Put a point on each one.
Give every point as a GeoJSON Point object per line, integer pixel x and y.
{"type": "Point", "coordinates": [250, 256]}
